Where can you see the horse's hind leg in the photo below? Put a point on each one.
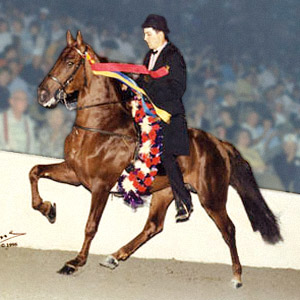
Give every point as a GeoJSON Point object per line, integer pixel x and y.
{"type": "Point", "coordinates": [227, 228]}
{"type": "Point", "coordinates": [155, 222]}
{"type": "Point", "coordinates": [58, 172]}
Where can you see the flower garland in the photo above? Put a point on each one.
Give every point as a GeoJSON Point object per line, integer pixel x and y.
{"type": "Point", "coordinates": [136, 184]}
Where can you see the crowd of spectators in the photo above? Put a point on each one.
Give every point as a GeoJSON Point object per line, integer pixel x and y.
{"type": "Point", "coordinates": [248, 98]}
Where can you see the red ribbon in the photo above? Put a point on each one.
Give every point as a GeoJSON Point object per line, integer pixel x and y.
{"type": "Point", "coordinates": [130, 68]}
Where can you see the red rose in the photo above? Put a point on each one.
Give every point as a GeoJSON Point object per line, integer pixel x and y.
{"type": "Point", "coordinates": [148, 181]}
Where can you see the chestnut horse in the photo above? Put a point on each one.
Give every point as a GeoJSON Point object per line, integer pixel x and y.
{"type": "Point", "coordinates": [101, 144]}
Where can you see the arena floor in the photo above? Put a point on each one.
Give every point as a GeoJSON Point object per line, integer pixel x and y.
{"type": "Point", "coordinates": [31, 274]}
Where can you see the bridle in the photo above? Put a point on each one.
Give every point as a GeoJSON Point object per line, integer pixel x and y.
{"type": "Point", "coordinates": [62, 96]}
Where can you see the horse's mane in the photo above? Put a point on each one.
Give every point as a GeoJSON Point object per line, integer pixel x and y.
{"type": "Point", "coordinates": [123, 95]}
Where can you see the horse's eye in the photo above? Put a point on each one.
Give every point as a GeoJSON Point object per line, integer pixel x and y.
{"type": "Point", "coordinates": [70, 63]}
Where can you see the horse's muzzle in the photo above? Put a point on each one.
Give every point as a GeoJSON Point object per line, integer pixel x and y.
{"type": "Point", "coordinates": [43, 95]}
{"type": "Point", "coordinates": [44, 98]}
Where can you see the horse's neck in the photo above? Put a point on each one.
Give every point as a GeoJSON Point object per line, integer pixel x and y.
{"type": "Point", "coordinates": [105, 109]}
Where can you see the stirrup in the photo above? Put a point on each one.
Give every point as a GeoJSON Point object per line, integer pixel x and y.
{"type": "Point", "coordinates": [183, 212]}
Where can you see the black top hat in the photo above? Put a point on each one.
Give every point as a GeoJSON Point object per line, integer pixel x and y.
{"type": "Point", "coordinates": [156, 22]}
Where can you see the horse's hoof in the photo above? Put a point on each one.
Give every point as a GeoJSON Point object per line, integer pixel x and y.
{"type": "Point", "coordinates": [236, 283]}
{"type": "Point", "coordinates": [110, 262]}
{"type": "Point", "coordinates": [51, 216]}
{"type": "Point", "coordinates": [67, 270]}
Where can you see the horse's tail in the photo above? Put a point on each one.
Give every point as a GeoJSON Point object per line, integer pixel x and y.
{"type": "Point", "coordinates": [242, 180]}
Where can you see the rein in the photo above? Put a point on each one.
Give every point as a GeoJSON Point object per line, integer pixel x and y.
{"type": "Point", "coordinates": [105, 132]}
{"type": "Point", "coordinates": [98, 104]}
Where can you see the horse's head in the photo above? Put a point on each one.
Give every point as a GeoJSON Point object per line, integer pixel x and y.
{"type": "Point", "coordinates": [68, 75]}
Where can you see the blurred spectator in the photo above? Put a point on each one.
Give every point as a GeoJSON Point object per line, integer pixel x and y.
{"type": "Point", "coordinates": [32, 73]}
{"type": "Point", "coordinates": [33, 41]}
{"type": "Point", "coordinates": [5, 35]}
{"type": "Point", "coordinates": [269, 143]}
{"type": "Point", "coordinates": [17, 83]}
{"type": "Point", "coordinates": [16, 128]}
{"type": "Point", "coordinates": [229, 124]}
{"type": "Point", "coordinates": [230, 101]}
{"type": "Point", "coordinates": [252, 125]}
{"type": "Point", "coordinates": [243, 144]}
{"type": "Point", "coordinates": [17, 29]}
{"type": "Point", "coordinates": [212, 107]}
{"type": "Point", "coordinates": [267, 78]}
{"type": "Point", "coordinates": [282, 97]}
{"type": "Point", "coordinates": [45, 24]}
{"type": "Point", "coordinates": [245, 90]}
{"type": "Point", "coordinates": [10, 53]}
{"type": "Point", "coordinates": [52, 135]}
{"type": "Point", "coordinates": [285, 163]}
{"type": "Point", "coordinates": [4, 92]}
{"type": "Point", "coordinates": [220, 131]}
{"type": "Point", "coordinates": [198, 117]}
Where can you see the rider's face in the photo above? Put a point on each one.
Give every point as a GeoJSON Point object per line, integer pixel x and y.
{"type": "Point", "coordinates": [153, 38]}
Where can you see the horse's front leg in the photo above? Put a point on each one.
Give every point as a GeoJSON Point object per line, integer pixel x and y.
{"type": "Point", "coordinates": [58, 172]}
{"type": "Point", "coordinates": [99, 199]}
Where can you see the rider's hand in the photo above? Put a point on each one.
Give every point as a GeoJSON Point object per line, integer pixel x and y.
{"type": "Point", "coordinates": [124, 87]}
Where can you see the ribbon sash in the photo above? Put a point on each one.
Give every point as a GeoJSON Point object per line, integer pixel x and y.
{"type": "Point", "coordinates": [105, 69]}
{"type": "Point", "coordinates": [130, 68]}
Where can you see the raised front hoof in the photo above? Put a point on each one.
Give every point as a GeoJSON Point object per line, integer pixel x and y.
{"type": "Point", "coordinates": [67, 270]}
{"type": "Point", "coordinates": [109, 262]}
{"type": "Point", "coordinates": [236, 283]}
{"type": "Point", "coordinates": [51, 216]}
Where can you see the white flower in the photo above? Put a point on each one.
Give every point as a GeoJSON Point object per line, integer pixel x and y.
{"type": "Point", "coordinates": [128, 185]}
{"type": "Point", "coordinates": [134, 107]}
{"type": "Point", "coordinates": [142, 166]}
{"type": "Point", "coordinates": [145, 149]}
{"type": "Point", "coordinates": [146, 126]}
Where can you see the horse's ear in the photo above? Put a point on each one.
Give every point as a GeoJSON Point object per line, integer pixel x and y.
{"type": "Point", "coordinates": [70, 39]}
{"type": "Point", "coordinates": [80, 43]}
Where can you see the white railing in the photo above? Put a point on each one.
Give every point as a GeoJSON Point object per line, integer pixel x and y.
{"type": "Point", "coordinates": [196, 240]}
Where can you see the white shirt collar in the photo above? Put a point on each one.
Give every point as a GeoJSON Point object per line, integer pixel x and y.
{"type": "Point", "coordinates": [159, 49]}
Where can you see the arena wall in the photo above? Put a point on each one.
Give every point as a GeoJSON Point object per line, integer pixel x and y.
{"type": "Point", "coordinates": [197, 240]}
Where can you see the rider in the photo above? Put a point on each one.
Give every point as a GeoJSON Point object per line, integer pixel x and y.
{"type": "Point", "coordinates": [166, 93]}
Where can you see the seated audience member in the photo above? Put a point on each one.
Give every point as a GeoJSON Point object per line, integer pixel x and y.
{"type": "Point", "coordinates": [17, 82]}
{"type": "Point", "coordinates": [198, 118]}
{"type": "Point", "coordinates": [211, 102]}
{"type": "Point", "coordinates": [230, 101]}
{"type": "Point", "coordinates": [285, 163]}
{"type": "Point", "coordinates": [269, 143]}
{"type": "Point", "coordinates": [229, 123]}
{"type": "Point", "coordinates": [17, 128]}
{"type": "Point", "coordinates": [252, 125]}
{"type": "Point", "coordinates": [33, 73]}
{"type": "Point", "coordinates": [243, 144]}
{"type": "Point", "coordinates": [4, 92]}
{"type": "Point", "coordinates": [263, 173]}
{"type": "Point", "coordinates": [33, 41]}
{"type": "Point", "coordinates": [220, 132]}
{"type": "Point", "coordinates": [53, 134]}
{"type": "Point", "coordinates": [245, 89]}
{"type": "Point", "coordinates": [279, 115]}
{"type": "Point", "coordinates": [5, 35]}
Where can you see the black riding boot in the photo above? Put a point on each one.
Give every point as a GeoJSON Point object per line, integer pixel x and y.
{"type": "Point", "coordinates": [184, 207]}
{"type": "Point", "coordinates": [181, 194]}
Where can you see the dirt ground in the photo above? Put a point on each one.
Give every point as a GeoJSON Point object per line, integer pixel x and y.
{"type": "Point", "coordinates": [31, 274]}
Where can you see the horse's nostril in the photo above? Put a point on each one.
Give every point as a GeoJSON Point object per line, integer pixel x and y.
{"type": "Point", "coordinates": [43, 95]}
